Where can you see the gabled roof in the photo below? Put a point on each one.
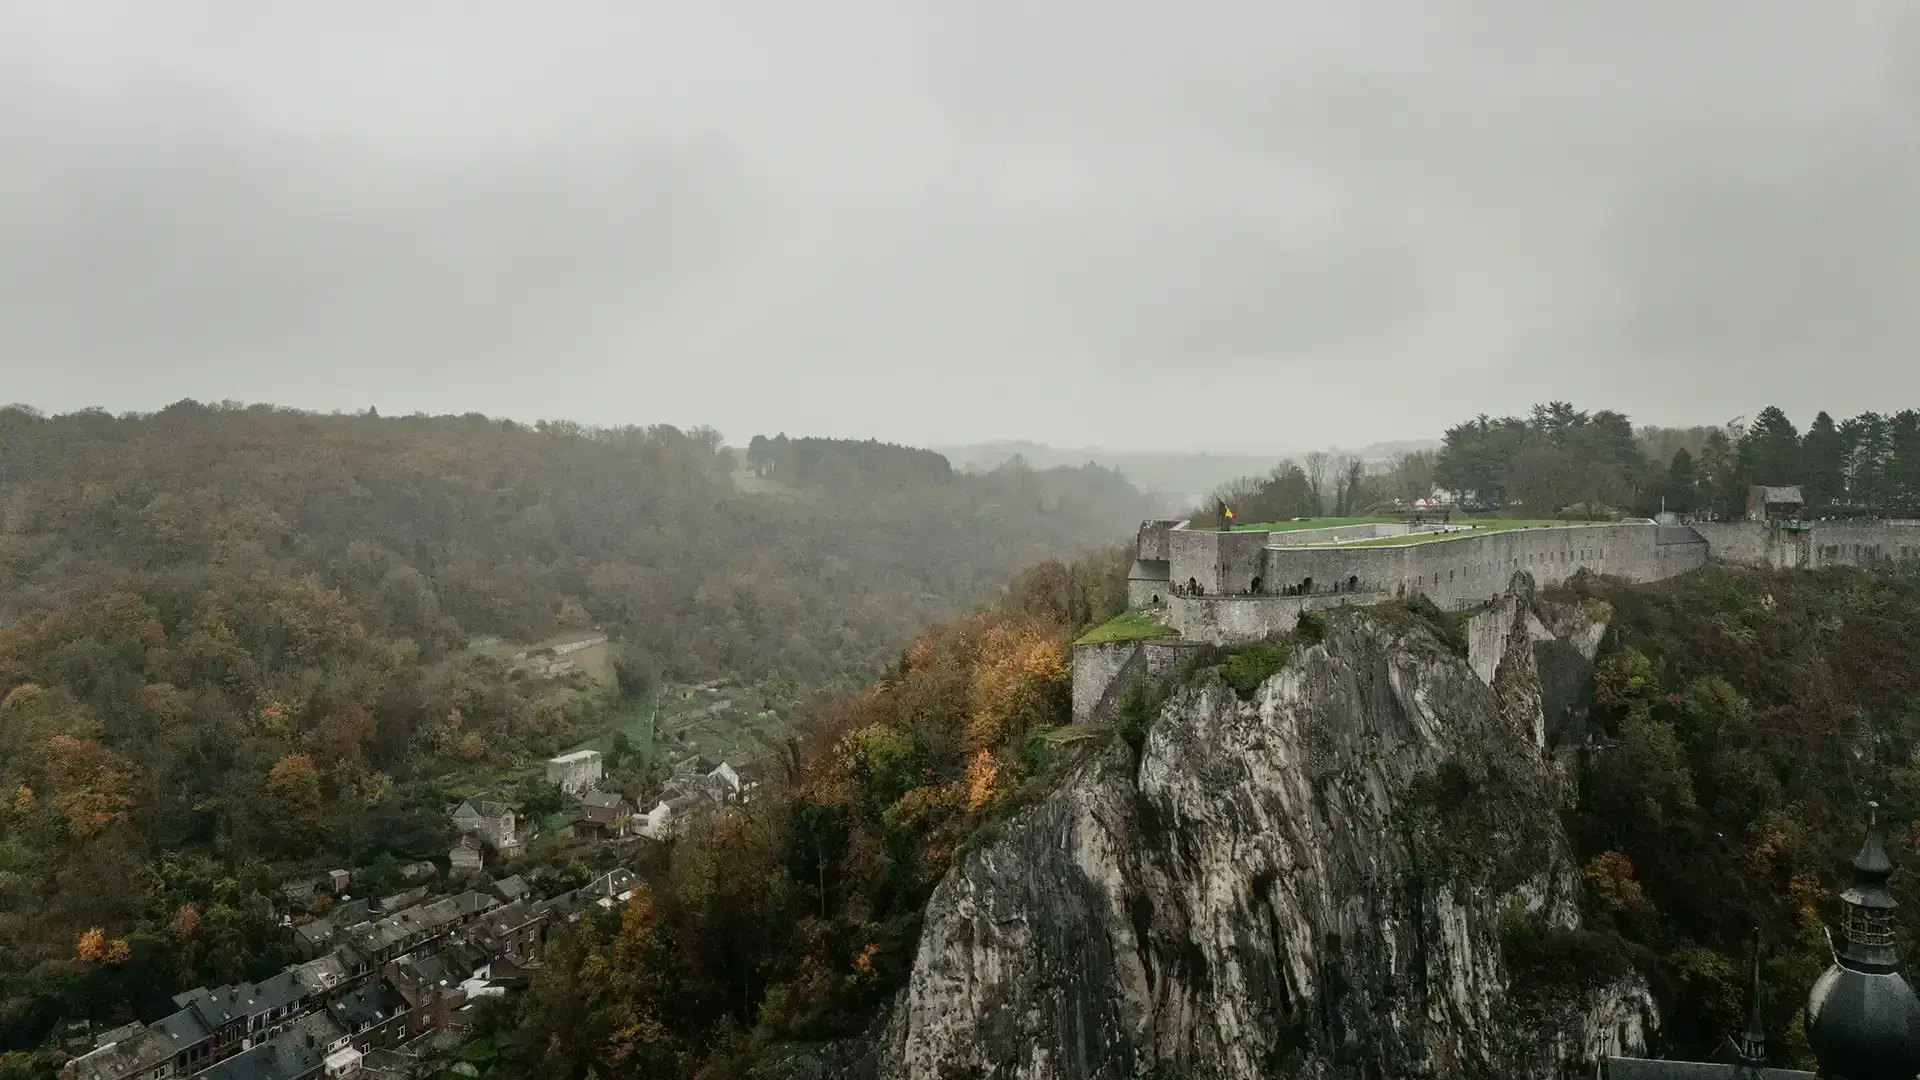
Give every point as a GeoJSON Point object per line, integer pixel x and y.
{"type": "Point", "coordinates": [224, 1003]}
{"type": "Point", "coordinates": [321, 976]}
{"type": "Point", "coordinates": [373, 1002]}
{"type": "Point", "coordinates": [119, 1034]}
{"type": "Point", "coordinates": [181, 1029]}
{"type": "Point", "coordinates": [601, 799]}
{"type": "Point", "coordinates": [1616, 1068]}
{"type": "Point", "coordinates": [507, 918]}
{"type": "Point", "coordinates": [125, 1057]}
{"type": "Point", "coordinates": [280, 1058]}
{"type": "Point", "coordinates": [511, 888]}
{"type": "Point", "coordinates": [472, 902]}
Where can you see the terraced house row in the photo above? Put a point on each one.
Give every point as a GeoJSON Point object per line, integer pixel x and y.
{"type": "Point", "coordinates": [369, 987]}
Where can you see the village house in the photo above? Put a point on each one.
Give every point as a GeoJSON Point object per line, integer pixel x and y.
{"type": "Point", "coordinates": [603, 814]}
{"type": "Point", "coordinates": [373, 1015]}
{"type": "Point", "coordinates": [512, 888]}
{"type": "Point", "coordinates": [576, 772]}
{"type": "Point", "coordinates": [383, 984]}
{"type": "Point", "coordinates": [492, 822]}
{"type": "Point", "coordinates": [372, 944]}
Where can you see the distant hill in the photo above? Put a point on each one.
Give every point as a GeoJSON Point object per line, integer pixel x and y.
{"type": "Point", "coordinates": [1182, 477]}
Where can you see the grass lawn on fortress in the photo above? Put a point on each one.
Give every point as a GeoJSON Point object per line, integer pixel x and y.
{"type": "Point", "coordinates": [1127, 626]}
{"type": "Point", "coordinates": [1480, 528]}
{"type": "Point", "coordinates": [1310, 523]}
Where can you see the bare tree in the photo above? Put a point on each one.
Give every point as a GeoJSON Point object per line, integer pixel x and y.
{"type": "Point", "coordinates": [1315, 466]}
{"type": "Point", "coordinates": [1349, 478]}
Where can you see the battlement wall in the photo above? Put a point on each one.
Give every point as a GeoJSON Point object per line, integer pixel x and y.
{"type": "Point", "coordinates": [1102, 673]}
{"type": "Point", "coordinates": [1466, 570]}
{"type": "Point", "coordinates": [1228, 620]}
{"type": "Point", "coordinates": [1861, 543]}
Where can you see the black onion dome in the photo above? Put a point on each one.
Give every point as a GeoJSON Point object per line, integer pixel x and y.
{"type": "Point", "coordinates": [1863, 1020]}
{"type": "Point", "coordinates": [1864, 1025]}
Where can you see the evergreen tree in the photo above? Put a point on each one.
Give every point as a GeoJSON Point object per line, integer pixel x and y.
{"type": "Point", "coordinates": [1824, 452]}
{"type": "Point", "coordinates": [1870, 461]}
{"type": "Point", "coordinates": [1905, 437]}
{"type": "Point", "coordinates": [1770, 450]}
{"type": "Point", "coordinates": [1681, 481]}
{"type": "Point", "coordinates": [1716, 483]}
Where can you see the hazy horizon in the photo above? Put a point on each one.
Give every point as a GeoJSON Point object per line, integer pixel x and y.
{"type": "Point", "coordinates": [1245, 229]}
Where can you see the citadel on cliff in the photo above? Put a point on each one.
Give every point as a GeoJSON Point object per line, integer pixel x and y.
{"type": "Point", "coordinates": [1190, 587]}
{"type": "Point", "coordinates": [1197, 586]}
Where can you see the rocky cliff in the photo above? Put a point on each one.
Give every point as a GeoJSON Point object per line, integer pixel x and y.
{"type": "Point", "coordinates": [1325, 880]}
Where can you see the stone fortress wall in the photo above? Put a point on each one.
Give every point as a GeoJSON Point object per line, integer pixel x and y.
{"type": "Point", "coordinates": [1223, 588]}
{"type": "Point", "coordinates": [1244, 584]}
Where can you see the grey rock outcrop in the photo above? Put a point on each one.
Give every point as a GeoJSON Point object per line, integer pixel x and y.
{"type": "Point", "coordinates": [1318, 882]}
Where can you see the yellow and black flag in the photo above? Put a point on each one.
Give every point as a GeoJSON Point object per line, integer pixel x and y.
{"type": "Point", "coordinates": [1226, 516]}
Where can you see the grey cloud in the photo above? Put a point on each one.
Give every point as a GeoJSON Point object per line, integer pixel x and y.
{"type": "Point", "coordinates": [950, 222]}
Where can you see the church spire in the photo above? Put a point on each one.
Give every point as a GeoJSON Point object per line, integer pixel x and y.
{"type": "Point", "coordinates": [1752, 1044]}
{"type": "Point", "coordinates": [1863, 1020]}
{"type": "Point", "coordinates": [1869, 925]}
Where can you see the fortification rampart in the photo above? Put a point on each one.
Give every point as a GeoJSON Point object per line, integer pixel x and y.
{"type": "Point", "coordinates": [1101, 673]}
{"type": "Point", "coordinates": [1226, 620]}
{"type": "Point", "coordinates": [1244, 585]}
{"type": "Point", "coordinates": [1861, 543]}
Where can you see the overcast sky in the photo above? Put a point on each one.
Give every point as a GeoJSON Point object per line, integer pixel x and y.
{"type": "Point", "coordinates": [1231, 224]}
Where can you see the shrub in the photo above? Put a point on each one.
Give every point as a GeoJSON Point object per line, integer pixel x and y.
{"type": "Point", "coordinates": [1248, 669]}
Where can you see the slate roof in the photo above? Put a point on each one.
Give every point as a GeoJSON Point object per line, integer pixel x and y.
{"type": "Point", "coordinates": [322, 975]}
{"type": "Point", "coordinates": [223, 1003]}
{"type": "Point", "coordinates": [1788, 494]}
{"type": "Point", "coordinates": [181, 1029]}
{"type": "Point", "coordinates": [506, 918]}
{"type": "Point", "coordinates": [285, 1057]}
{"type": "Point", "coordinates": [374, 1002]}
{"type": "Point", "coordinates": [316, 935]}
{"type": "Point", "coordinates": [125, 1057]}
{"type": "Point", "coordinates": [603, 808]}
{"type": "Point", "coordinates": [512, 888]}
{"type": "Point", "coordinates": [119, 1034]}
{"type": "Point", "coordinates": [485, 808]}
{"type": "Point", "coordinates": [1615, 1068]}
{"type": "Point", "coordinates": [472, 902]}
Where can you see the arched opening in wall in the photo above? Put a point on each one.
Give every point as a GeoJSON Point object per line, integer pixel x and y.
{"type": "Point", "coordinates": [1253, 587]}
{"type": "Point", "coordinates": [1156, 598]}
{"type": "Point", "coordinates": [1193, 586]}
{"type": "Point", "coordinates": [1353, 582]}
{"type": "Point", "coordinates": [1306, 586]}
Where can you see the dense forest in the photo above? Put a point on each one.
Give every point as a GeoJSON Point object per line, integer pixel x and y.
{"type": "Point", "coordinates": [1559, 457]}
{"type": "Point", "coordinates": [1559, 460]}
{"type": "Point", "coordinates": [1744, 721]}
{"type": "Point", "coordinates": [235, 641]}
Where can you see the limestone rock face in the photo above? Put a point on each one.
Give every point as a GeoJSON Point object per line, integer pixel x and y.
{"type": "Point", "coordinates": [1318, 882]}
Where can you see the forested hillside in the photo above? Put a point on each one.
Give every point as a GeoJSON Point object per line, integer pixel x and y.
{"type": "Point", "coordinates": [1745, 720]}
{"type": "Point", "coordinates": [798, 915]}
{"type": "Point", "coordinates": [236, 639]}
